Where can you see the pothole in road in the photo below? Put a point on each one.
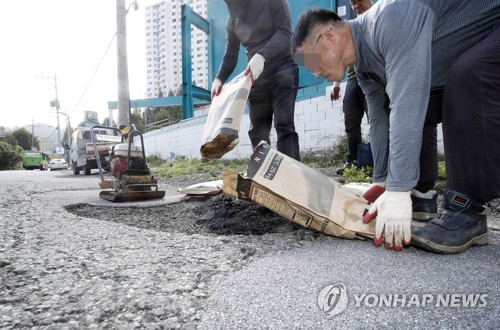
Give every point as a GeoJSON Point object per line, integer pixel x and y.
{"type": "Point", "coordinates": [220, 214]}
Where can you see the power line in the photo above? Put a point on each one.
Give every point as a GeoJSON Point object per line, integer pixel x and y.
{"type": "Point", "coordinates": [46, 138]}
{"type": "Point", "coordinates": [95, 72]}
{"type": "Point", "coordinates": [136, 6]}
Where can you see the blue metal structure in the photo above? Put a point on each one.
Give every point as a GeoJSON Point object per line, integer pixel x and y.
{"type": "Point", "coordinates": [188, 18]}
{"type": "Point", "coordinates": [309, 85]}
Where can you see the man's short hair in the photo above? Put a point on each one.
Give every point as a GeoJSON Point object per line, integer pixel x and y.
{"type": "Point", "coordinates": [308, 21]}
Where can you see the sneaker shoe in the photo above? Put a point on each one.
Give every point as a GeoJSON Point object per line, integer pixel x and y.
{"type": "Point", "coordinates": [424, 205]}
{"type": "Point", "coordinates": [347, 164]}
{"type": "Point", "coordinates": [460, 225]}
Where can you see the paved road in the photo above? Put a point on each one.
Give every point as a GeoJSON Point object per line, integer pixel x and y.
{"type": "Point", "coordinates": [60, 270]}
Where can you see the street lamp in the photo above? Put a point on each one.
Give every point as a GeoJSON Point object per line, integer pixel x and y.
{"type": "Point", "coordinates": [135, 4]}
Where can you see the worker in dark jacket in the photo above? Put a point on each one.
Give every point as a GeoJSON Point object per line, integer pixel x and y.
{"type": "Point", "coordinates": [263, 27]}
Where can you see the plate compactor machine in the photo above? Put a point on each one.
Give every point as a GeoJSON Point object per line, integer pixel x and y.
{"type": "Point", "coordinates": [131, 179]}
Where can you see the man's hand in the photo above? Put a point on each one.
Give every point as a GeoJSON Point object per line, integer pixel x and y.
{"type": "Point", "coordinates": [216, 87]}
{"type": "Point", "coordinates": [393, 211]}
{"type": "Point", "coordinates": [255, 67]}
{"type": "Point", "coordinates": [335, 93]}
{"type": "Point", "coordinates": [375, 190]}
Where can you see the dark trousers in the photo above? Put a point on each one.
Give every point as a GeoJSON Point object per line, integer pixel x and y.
{"type": "Point", "coordinates": [470, 110]}
{"type": "Point", "coordinates": [471, 121]}
{"type": "Point", "coordinates": [354, 107]}
{"type": "Point", "coordinates": [273, 96]}
{"type": "Point", "coordinates": [428, 152]}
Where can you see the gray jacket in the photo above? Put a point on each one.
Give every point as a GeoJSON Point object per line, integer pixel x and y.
{"type": "Point", "coordinates": [403, 48]}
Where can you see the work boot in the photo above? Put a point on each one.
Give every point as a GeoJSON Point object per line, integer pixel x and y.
{"type": "Point", "coordinates": [461, 224]}
{"type": "Point", "coordinates": [424, 205]}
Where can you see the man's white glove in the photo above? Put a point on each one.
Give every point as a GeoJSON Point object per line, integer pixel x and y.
{"type": "Point", "coordinates": [216, 87]}
{"type": "Point", "coordinates": [393, 211]}
{"type": "Point", "coordinates": [255, 67]}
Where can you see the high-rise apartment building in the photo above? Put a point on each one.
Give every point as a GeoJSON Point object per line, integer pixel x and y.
{"type": "Point", "coordinates": [164, 47]}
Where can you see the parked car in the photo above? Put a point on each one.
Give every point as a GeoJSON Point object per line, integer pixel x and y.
{"type": "Point", "coordinates": [82, 154]}
{"type": "Point", "coordinates": [58, 164]}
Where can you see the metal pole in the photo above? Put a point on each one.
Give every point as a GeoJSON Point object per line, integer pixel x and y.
{"type": "Point", "coordinates": [110, 118]}
{"type": "Point", "coordinates": [123, 86]}
{"type": "Point", "coordinates": [66, 151]}
{"type": "Point", "coordinates": [69, 128]}
{"type": "Point", "coordinates": [57, 110]}
{"type": "Point", "coordinates": [32, 133]}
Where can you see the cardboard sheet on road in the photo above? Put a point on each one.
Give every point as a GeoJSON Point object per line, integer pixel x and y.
{"type": "Point", "coordinates": [205, 188]}
{"type": "Point", "coordinates": [300, 194]}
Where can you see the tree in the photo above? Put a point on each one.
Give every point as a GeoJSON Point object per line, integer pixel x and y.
{"type": "Point", "coordinates": [24, 139]}
{"type": "Point", "coordinates": [137, 120]}
{"type": "Point", "coordinates": [105, 121]}
{"type": "Point", "coordinates": [10, 156]}
{"type": "Point", "coordinates": [172, 112]}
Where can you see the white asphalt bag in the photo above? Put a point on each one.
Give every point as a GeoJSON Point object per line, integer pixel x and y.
{"type": "Point", "coordinates": [224, 118]}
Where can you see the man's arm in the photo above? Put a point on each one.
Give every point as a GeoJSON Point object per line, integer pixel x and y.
{"type": "Point", "coordinates": [230, 58]}
{"type": "Point", "coordinates": [280, 42]}
{"type": "Point", "coordinates": [378, 112]}
{"type": "Point", "coordinates": [407, 56]}
{"type": "Point", "coordinates": [406, 72]}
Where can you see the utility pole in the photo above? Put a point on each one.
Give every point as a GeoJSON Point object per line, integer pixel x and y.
{"type": "Point", "coordinates": [68, 126]}
{"type": "Point", "coordinates": [55, 104]}
{"type": "Point", "coordinates": [123, 85]}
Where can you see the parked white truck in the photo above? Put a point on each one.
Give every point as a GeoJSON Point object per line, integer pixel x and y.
{"type": "Point", "coordinates": [82, 155]}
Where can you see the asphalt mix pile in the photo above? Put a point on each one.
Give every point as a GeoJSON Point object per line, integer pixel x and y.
{"type": "Point", "coordinates": [220, 215]}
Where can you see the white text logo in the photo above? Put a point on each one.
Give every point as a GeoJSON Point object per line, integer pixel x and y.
{"type": "Point", "coordinates": [333, 300]}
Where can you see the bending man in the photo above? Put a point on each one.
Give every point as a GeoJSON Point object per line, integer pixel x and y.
{"type": "Point", "coordinates": [402, 50]}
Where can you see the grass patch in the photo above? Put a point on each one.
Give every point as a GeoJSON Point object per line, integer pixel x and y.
{"type": "Point", "coordinates": [320, 159]}
{"type": "Point", "coordinates": [190, 166]}
{"type": "Point", "coordinates": [352, 174]}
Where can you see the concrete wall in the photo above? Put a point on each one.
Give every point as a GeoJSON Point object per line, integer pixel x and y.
{"type": "Point", "coordinates": [318, 121]}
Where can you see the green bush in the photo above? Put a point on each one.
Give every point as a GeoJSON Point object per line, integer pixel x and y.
{"type": "Point", "coordinates": [11, 156]}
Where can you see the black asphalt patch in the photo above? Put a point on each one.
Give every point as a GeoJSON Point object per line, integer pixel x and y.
{"type": "Point", "coordinates": [220, 214]}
